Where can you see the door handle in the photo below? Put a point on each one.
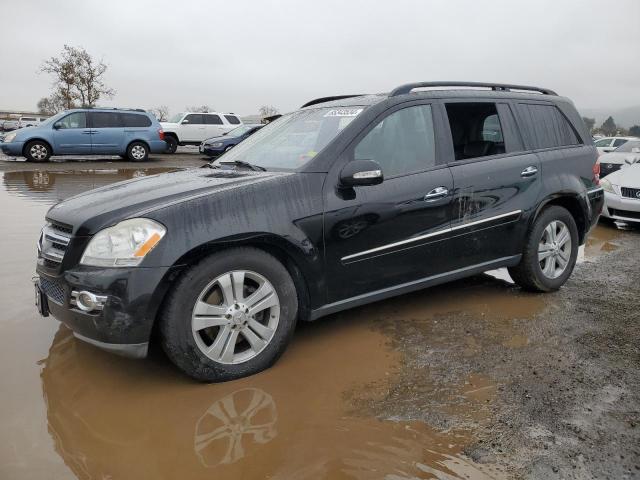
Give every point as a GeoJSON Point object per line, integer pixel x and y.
{"type": "Point", "coordinates": [86, 132]}
{"type": "Point", "coordinates": [530, 171]}
{"type": "Point", "coordinates": [436, 193]}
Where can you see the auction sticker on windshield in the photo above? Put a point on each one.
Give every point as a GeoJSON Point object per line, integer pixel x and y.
{"type": "Point", "coordinates": [343, 112]}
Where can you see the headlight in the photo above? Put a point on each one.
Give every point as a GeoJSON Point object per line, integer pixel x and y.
{"type": "Point", "coordinates": [216, 144]}
{"type": "Point", "coordinates": [124, 244]}
{"type": "Point", "coordinates": [606, 186]}
{"type": "Point", "coordinates": [9, 137]}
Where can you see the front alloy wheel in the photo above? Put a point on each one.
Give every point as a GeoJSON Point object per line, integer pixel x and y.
{"type": "Point", "coordinates": [235, 317]}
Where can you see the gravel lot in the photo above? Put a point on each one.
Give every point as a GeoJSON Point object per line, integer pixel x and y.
{"type": "Point", "coordinates": [474, 379]}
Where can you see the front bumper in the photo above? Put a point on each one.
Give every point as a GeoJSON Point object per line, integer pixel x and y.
{"type": "Point", "coordinates": [12, 148]}
{"type": "Point", "coordinates": [621, 208]}
{"type": "Point", "coordinates": [123, 325]}
{"type": "Point", "coordinates": [211, 151]}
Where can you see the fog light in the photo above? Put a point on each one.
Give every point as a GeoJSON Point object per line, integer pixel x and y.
{"type": "Point", "coordinates": [87, 301]}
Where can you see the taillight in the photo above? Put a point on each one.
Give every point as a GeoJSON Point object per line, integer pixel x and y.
{"type": "Point", "coordinates": [596, 172]}
{"type": "Point", "coordinates": [161, 134]}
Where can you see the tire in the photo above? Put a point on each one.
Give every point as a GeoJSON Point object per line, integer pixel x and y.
{"type": "Point", "coordinates": [172, 143]}
{"type": "Point", "coordinates": [37, 151]}
{"type": "Point", "coordinates": [548, 259]}
{"type": "Point", "coordinates": [137, 152]}
{"type": "Point", "coordinates": [185, 338]}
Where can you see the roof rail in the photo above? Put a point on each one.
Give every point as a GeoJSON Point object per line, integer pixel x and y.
{"type": "Point", "coordinates": [113, 108]}
{"type": "Point", "coordinates": [498, 87]}
{"type": "Point", "coordinates": [328, 99]}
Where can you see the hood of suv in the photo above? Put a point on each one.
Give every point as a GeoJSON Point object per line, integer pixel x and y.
{"type": "Point", "coordinates": [96, 209]}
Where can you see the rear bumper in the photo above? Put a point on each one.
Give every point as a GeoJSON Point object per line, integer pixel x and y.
{"type": "Point", "coordinates": [157, 146]}
{"type": "Point", "coordinates": [124, 324]}
{"type": "Point", "coordinates": [595, 204]}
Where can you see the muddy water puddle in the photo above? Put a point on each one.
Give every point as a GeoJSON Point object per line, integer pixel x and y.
{"type": "Point", "coordinates": [72, 411]}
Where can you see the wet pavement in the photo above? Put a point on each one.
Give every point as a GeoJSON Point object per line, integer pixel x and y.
{"type": "Point", "coordinates": [358, 395]}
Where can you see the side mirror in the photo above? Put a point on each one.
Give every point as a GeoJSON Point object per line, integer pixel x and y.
{"type": "Point", "coordinates": [224, 133]}
{"type": "Point", "coordinates": [57, 126]}
{"type": "Point", "coordinates": [360, 173]}
{"type": "Point", "coordinates": [184, 122]}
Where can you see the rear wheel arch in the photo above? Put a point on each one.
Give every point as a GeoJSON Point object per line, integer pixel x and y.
{"type": "Point", "coordinates": [573, 204]}
{"type": "Point", "coordinates": [173, 135]}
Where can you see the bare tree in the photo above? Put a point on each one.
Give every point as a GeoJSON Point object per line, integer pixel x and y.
{"type": "Point", "coordinates": [78, 77]}
{"type": "Point", "coordinates": [51, 105]}
{"type": "Point", "coordinates": [201, 109]}
{"type": "Point", "coordinates": [161, 113]}
{"type": "Point", "coordinates": [268, 111]}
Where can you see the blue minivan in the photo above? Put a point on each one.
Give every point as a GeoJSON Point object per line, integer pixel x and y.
{"type": "Point", "coordinates": [132, 134]}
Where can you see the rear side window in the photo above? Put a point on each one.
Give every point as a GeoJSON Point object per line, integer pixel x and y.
{"type": "Point", "coordinates": [619, 141]}
{"type": "Point", "coordinates": [105, 120]}
{"type": "Point", "coordinates": [476, 130]}
{"type": "Point", "coordinates": [605, 142]}
{"type": "Point", "coordinates": [213, 120]}
{"type": "Point", "coordinates": [547, 126]}
{"type": "Point", "coordinates": [233, 120]}
{"type": "Point", "coordinates": [402, 143]}
{"type": "Point", "coordinates": [195, 119]}
{"type": "Point", "coordinates": [135, 120]}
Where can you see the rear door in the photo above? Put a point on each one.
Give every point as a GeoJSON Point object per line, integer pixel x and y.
{"type": "Point", "coordinates": [72, 135]}
{"type": "Point", "coordinates": [194, 130]}
{"type": "Point", "coordinates": [214, 125]}
{"type": "Point", "coordinates": [389, 234]}
{"type": "Point", "coordinates": [496, 182]}
{"type": "Point", "coordinates": [107, 133]}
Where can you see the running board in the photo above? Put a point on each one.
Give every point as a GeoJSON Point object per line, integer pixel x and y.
{"type": "Point", "coordinates": [413, 286]}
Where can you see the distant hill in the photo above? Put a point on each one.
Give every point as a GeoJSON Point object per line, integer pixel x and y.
{"type": "Point", "coordinates": [625, 117]}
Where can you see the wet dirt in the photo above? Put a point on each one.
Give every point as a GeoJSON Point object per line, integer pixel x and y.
{"type": "Point", "coordinates": [432, 384]}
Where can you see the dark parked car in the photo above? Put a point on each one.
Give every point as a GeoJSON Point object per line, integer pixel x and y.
{"type": "Point", "coordinates": [347, 201]}
{"type": "Point", "coordinates": [216, 146]}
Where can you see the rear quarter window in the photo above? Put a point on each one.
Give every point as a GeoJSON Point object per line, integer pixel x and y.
{"type": "Point", "coordinates": [233, 120]}
{"type": "Point", "coordinates": [546, 127]}
{"type": "Point", "coordinates": [135, 120]}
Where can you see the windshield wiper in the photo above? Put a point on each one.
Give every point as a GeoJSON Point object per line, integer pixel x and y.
{"type": "Point", "coordinates": [241, 163]}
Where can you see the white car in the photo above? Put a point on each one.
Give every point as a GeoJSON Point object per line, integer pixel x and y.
{"type": "Point", "coordinates": [609, 144]}
{"type": "Point", "coordinates": [622, 194]}
{"type": "Point", "coordinates": [626, 154]}
{"type": "Point", "coordinates": [30, 121]}
{"type": "Point", "coordinates": [190, 128]}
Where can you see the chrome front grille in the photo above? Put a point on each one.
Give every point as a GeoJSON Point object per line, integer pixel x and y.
{"type": "Point", "coordinates": [53, 243]}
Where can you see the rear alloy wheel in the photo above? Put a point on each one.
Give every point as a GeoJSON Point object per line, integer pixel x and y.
{"type": "Point", "coordinates": [37, 151]}
{"type": "Point", "coordinates": [229, 316]}
{"type": "Point", "coordinates": [172, 143]}
{"type": "Point", "coordinates": [137, 152]}
{"type": "Point", "coordinates": [550, 252]}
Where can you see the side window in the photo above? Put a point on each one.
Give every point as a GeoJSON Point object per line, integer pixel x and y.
{"type": "Point", "coordinates": [195, 119]}
{"type": "Point", "coordinates": [548, 127]}
{"type": "Point", "coordinates": [105, 120]}
{"type": "Point", "coordinates": [213, 120]}
{"type": "Point", "coordinates": [402, 143]}
{"type": "Point", "coordinates": [74, 120]}
{"type": "Point", "coordinates": [619, 141]}
{"type": "Point", "coordinates": [605, 142]}
{"type": "Point", "coordinates": [476, 130]}
{"type": "Point", "coordinates": [233, 120]}
{"type": "Point", "coordinates": [135, 120]}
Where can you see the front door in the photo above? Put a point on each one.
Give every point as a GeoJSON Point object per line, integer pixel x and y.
{"type": "Point", "coordinates": [389, 234]}
{"type": "Point", "coordinates": [496, 183]}
{"type": "Point", "coordinates": [194, 130]}
{"type": "Point", "coordinates": [107, 133]}
{"type": "Point", "coordinates": [72, 135]}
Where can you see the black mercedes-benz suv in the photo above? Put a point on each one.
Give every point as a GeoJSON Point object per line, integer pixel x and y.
{"type": "Point", "coordinates": [346, 201]}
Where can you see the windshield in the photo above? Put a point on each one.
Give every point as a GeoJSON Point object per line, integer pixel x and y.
{"type": "Point", "coordinates": [176, 118]}
{"type": "Point", "coordinates": [628, 146]}
{"type": "Point", "coordinates": [292, 140]}
{"type": "Point", "coordinates": [53, 119]}
{"type": "Point", "coordinates": [236, 132]}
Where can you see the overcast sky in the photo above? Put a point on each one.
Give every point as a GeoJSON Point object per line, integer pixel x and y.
{"type": "Point", "coordinates": [236, 55]}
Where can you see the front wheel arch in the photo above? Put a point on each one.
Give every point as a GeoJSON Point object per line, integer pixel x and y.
{"type": "Point", "coordinates": [26, 143]}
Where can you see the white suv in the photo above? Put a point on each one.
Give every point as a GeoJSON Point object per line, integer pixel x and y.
{"type": "Point", "coordinates": [30, 121]}
{"type": "Point", "coordinates": [188, 128]}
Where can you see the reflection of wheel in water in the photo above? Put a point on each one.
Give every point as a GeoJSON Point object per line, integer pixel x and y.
{"type": "Point", "coordinates": [221, 431]}
{"type": "Point", "coordinates": [40, 180]}
{"type": "Point", "coordinates": [138, 174]}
